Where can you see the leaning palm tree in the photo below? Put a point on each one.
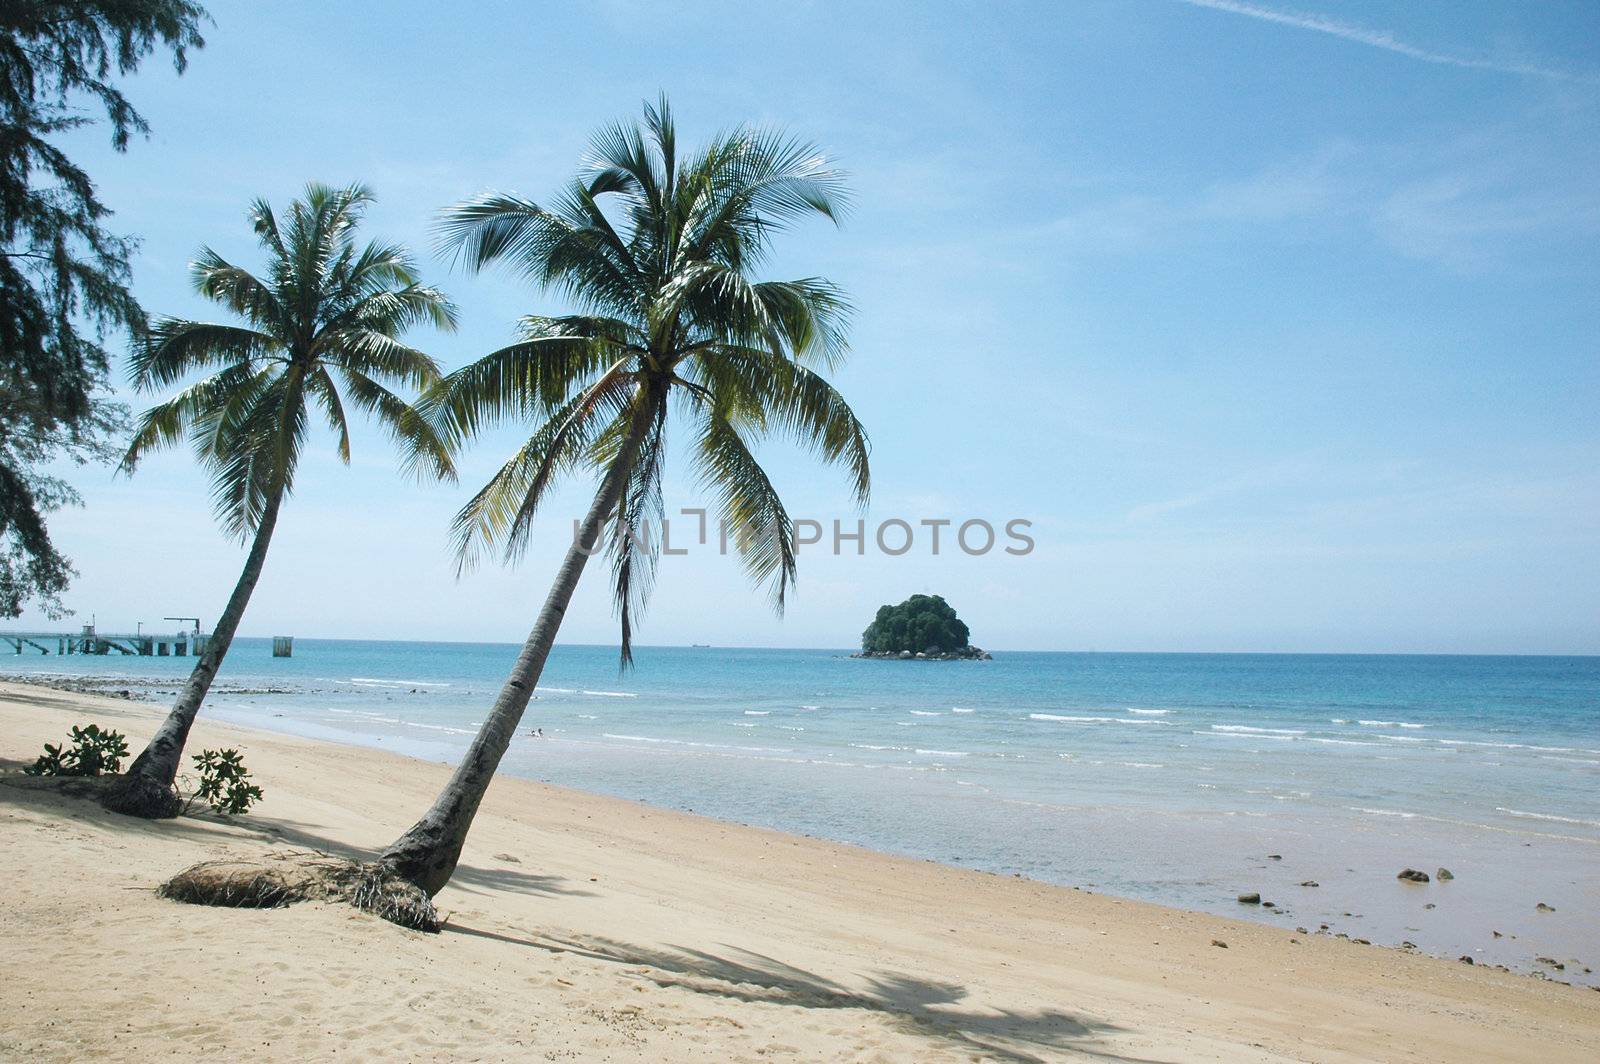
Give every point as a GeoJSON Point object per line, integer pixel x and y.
{"type": "Point", "coordinates": [321, 328]}
{"type": "Point", "coordinates": [657, 251]}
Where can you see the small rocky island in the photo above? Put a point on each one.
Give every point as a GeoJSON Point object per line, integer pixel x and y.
{"type": "Point", "coordinates": [923, 627]}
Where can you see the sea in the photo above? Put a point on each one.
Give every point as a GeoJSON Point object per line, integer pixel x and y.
{"type": "Point", "coordinates": [1184, 779]}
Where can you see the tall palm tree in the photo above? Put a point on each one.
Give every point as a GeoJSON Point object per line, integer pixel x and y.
{"type": "Point", "coordinates": [657, 252]}
{"type": "Point", "coordinates": [322, 327]}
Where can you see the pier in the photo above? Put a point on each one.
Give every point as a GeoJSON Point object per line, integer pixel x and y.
{"type": "Point", "coordinates": [88, 640]}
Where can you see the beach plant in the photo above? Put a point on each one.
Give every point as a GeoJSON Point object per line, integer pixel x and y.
{"type": "Point", "coordinates": [224, 782]}
{"type": "Point", "coordinates": [657, 248]}
{"type": "Point", "coordinates": [93, 752]}
{"type": "Point", "coordinates": [320, 333]}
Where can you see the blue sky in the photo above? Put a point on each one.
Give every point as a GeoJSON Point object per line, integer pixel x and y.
{"type": "Point", "coordinates": [1279, 323]}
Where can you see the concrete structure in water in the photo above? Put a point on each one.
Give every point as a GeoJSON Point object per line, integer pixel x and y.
{"type": "Point", "coordinates": [89, 640]}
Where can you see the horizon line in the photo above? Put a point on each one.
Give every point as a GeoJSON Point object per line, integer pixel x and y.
{"type": "Point", "coordinates": [992, 650]}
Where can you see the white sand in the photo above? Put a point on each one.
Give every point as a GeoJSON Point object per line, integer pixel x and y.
{"type": "Point", "coordinates": [622, 932]}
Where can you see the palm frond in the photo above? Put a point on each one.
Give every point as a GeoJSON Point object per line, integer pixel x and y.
{"type": "Point", "coordinates": [566, 254]}
{"type": "Point", "coordinates": [167, 423]}
{"type": "Point", "coordinates": [379, 355]}
{"type": "Point", "coordinates": [252, 444]}
{"type": "Point", "coordinates": [748, 504]}
{"type": "Point", "coordinates": [530, 379]}
{"type": "Point", "coordinates": [423, 451]}
{"type": "Point", "coordinates": [635, 548]}
{"type": "Point", "coordinates": [238, 289]}
{"type": "Point", "coordinates": [173, 349]}
{"type": "Point", "coordinates": [321, 385]}
{"type": "Point", "coordinates": [501, 513]}
{"type": "Point", "coordinates": [753, 387]}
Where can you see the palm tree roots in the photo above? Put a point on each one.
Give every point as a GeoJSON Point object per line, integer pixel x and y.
{"type": "Point", "coordinates": [280, 879]}
{"type": "Point", "coordinates": [139, 795]}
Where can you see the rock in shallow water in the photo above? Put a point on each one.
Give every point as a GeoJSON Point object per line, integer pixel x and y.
{"type": "Point", "coordinates": [1443, 874]}
{"type": "Point", "coordinates": [1251, 898]}
{"type": "Point", "coordinates": [1411, 875]}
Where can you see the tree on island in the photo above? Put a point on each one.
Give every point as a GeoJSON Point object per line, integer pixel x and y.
{"type": "Point", "coordinates": [920, 624]}
{"type": "Point", "coordinates": [319, 335]}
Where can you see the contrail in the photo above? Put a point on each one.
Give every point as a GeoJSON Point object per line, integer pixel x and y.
{"type": "Point", "coordinates": [1373, 38]}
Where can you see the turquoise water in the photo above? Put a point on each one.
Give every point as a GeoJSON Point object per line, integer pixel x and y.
{"type": "Point", "coordinates": [1168, 777]}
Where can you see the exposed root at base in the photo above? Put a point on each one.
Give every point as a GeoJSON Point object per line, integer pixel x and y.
{"type": "Point", "coordinates": [142, 797]}
{"type": "Point", "coordinates": [280, 879]}
{"type": "Point", "coordinates": [397, 900]}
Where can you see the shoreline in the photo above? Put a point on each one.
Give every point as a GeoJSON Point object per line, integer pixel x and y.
{"type": "Point", "coordinates": [659, 933]}
{"type": "Point", "coordinates": [1489, 915]}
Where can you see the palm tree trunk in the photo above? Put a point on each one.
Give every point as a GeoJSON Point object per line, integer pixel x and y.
{"type": "Point", "coordinates": [147, 790]}
{"type": "Point", "coordinates": [426, 855]}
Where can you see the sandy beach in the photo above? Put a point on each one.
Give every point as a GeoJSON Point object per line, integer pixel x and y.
{"type": "Point", "coordinates": [582, 927]}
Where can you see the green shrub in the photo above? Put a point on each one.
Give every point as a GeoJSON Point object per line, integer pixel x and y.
{"type": "Point", "coordinates": [93, 752]}
{"type": "Point", "coordinates": [222, 782]}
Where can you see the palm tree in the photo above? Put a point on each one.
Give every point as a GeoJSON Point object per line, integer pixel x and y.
{"type": "Point", "coordinates": [321, 328]}
{"type": "Point", "coordinates": [669, 316]}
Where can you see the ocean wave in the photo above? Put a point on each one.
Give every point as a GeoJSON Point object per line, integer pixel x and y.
{"type": "Point", "coordinates": [1150, 712]}
{"type": "Point", "coordinates": [943, 753]}
{"type": "Point", "coordinates": [1515, 746]}
{"type": "Point", "coordinates": [370, 681]}
{"type": "Point", "coordinates": [557, 690]}
{"type": "Point", "coordinates": [689, 742]}
{"type": "Point", "coordinates": [1381, 812]}
{"type": "Point", "coordinates": [758, 712]}
{"type": "Point", "coordinates": [1247, 729]}
{"type": "Point", "coordinates": [1388, 724]}
{"type": "Point", "coordinates": [741, 724]}
{"type": "Point", "coordinates": [587, 716]}
{"type": "Point", "coordinates": [923, 713]}
{"type": "Point", "coordinates": [1140, 764]}
{"type": "Point", "coordinates": [872, 746]}
{"type": "Point", "coordinates": [1251, 736]}
{"type": "Point", "coordinates": [1547, 816]}
{"type": "Point", "coordinates": [1059, 718]}
{"type": "Point", "coordinates": [810, 707]}
{"type": "Point", "coordinates": [1403, 738]}
{"type": "Point", "coordinates": [1339, 742]}
{"type": "Point", "coordinates": [611, 694]}
{"type": "Point", "coordinates": [960, 709]}
{"type": "Point", "coordinates": [436, 727]}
